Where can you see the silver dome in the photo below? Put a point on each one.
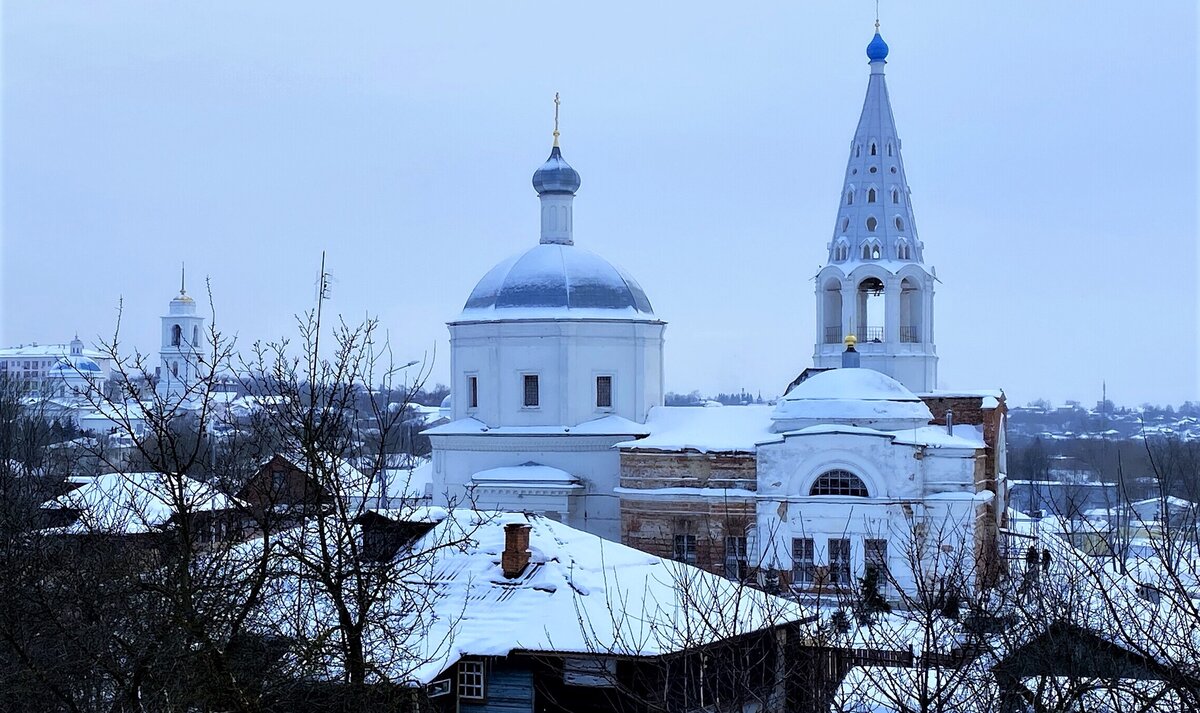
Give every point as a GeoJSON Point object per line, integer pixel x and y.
{"type": "Point", "coordinates": [559, 277]}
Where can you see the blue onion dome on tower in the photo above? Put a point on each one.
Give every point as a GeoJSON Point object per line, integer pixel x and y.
{"type": "Point", "coordinates": [556, 175]}
{"type": "Point", "coordinates": [877, 50]}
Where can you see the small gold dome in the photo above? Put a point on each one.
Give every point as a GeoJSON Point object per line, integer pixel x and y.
{"type": "Point", "coordinates": [851, 340]}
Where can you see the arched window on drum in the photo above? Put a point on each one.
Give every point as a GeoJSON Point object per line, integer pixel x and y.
{"type": "Point", "coordinates": [840, 482]}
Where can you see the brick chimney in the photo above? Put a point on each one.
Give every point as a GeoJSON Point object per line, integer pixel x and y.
{"type": "Point", "coordinates": [516, 550]}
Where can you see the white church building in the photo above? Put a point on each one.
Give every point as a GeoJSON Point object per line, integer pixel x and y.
{"type": "Point", "coordinates": [557, 367]}
{"type": "Point", "coordinates": [556, 357]}
{"type": "Point", "coordinates": [181, 349]}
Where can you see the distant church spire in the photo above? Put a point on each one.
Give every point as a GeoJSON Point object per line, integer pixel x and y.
{"type": "Point", "coordinates": [875, 285]}
{"type": "Point", "coordinates": [556, 183]}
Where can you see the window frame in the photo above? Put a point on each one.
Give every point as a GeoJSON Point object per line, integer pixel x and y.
{"type": "Point", "coordinates": [611, 400]}
{"type": "Point", "coordinates": [841, 250]}
{"type": "Point", "coordinates": [537, 390]}
{"type": "Point", "coordinates": [839, 557]}
{"type": "Point", "coordinates": [473, 392]}
{"type": "Point", "coordinates": [846, 485]}
{"type": "Point", "coordinates": [470, 669]}
{"type": "Point", "coordinates": [804, 562]}
{"type": "Point", "coordinates": [687, 553]}
{"type": "Point", "coordinates": [873, 549]}
{"type": "Point", "coordinates": [737, 561]}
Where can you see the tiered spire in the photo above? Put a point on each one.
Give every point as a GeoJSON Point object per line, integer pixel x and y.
{"type": "Point", "coordinates": [875, 218]}
{"type": "Point", "coordinates": [875, 286]}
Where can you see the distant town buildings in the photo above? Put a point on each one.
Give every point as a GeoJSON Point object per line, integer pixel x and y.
{"type": "Point", "coordinates": [54, 370]}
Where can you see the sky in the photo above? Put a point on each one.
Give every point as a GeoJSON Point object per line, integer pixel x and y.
{"type": "Point", "coordinates": [1051, 150]}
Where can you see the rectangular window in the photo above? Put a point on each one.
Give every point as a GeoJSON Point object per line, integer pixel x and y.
{"type": "Point", "coordinates": [685, 548]}
{"type": "Point", "coordinates": [472, 392]}
{"type": "Point", "coordinates": [470, 679]}
{"type": "Point", "coordinates": [875, 560]}
{"type": "Point", "coordinates": [839, 562]}
{"type": "Point", "coordinates": [736, 563]}
{"type": "Point", "coordinates": [531, 390]}
{"type": "Point", "coordinates": [804, 566]}
{"type": "Point", "coordinates": [603, 392]}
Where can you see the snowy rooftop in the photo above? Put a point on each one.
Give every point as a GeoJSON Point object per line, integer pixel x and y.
{"type": "Point", "coordinates": [724, 429]}
{"type": "Point", "coordinates": [854, 396]}
{"type": "Point", "coordinates": [29, 351]}
{"type": "Point", "coordinates": [578, 594]}
{"type": "Point", "coordinates": [132, 503]}
{"type": "Point", "coordinates": [556, 281]}
{"type": "Point", "coordinates": [529, 473]}
{"type": "Point", "coordinates": [740, 429]}
{"type": "Point", "coordinates": [605, 426]}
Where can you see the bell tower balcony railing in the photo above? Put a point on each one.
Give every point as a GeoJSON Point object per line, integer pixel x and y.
{"type": "Point", "coordinates": [869, 334]}
{"type": "Point", "coordinates": [873, 335]}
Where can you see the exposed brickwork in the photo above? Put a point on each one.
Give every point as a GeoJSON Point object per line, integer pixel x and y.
{"type": "Point", "coordinates": [651, 469]}
{"type": "Point", "coordinates": [651, 526]}
{"type": "Point", "coordinates": [969, 410]}
{"type": "Point", "coordinates": [516, 550]}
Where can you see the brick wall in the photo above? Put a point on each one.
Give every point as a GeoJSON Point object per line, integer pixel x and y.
{"type": "Point", "coordinates": [651, 525]}
{"type": "Point", "coordinates": [969, 410]}
{"type": "Point", "coordinates": [689, 469]}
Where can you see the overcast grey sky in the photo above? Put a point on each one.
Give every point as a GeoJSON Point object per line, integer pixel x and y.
{"type": "Point", "coordinates": [1051, 149]}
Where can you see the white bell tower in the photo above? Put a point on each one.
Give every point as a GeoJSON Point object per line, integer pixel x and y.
{"type": "Point", "coordinates": [182, 346]}
{"type": "Point", "coordinates": [875, 285]}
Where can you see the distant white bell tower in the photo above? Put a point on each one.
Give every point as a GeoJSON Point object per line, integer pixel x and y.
{"type": "Point", "coordinates": [182, 347]}
{"type": "Point", "coordinates": [875, 285]}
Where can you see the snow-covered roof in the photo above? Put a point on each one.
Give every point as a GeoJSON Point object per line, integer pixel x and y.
{"type": "Point", "coordinates": [578, 594]}
{"type": "Point", "coordinates": [131, 503]}
{"type": "Point", "coordinates": [741, 429]}
{"type": "Point", "coordinates": [963, 393]}
{"type": "Point", "coordinates": [851, 396]}
{"type": "Point", "coordinates": [964, 436]}
{"type": "Point", "coordinates": [1170, 500]}
{"type": "Point", "coordinates": [528, 473]}
{"type": "Point", "coordinates": [611, 425]}
{"type": "Point", "coordinates": [30, 351]}
{"type": "Point", "coordinates": [556, 281]}
{"type": "Point", "coordinates": [725, 429]}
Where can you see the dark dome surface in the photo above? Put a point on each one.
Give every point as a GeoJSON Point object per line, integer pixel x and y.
{"type": "Point", "coordinates": [556, 175]}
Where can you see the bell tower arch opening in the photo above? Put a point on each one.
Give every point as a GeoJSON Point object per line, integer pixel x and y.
{"type": "Point", "coordinates": [870, 310]}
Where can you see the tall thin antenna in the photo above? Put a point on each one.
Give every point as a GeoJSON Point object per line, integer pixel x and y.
{"type": "Point", "coordinates": [183, 278]}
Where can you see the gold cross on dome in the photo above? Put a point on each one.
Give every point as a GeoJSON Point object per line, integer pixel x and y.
{"type": "Point", "coordinates": [556, 103]}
